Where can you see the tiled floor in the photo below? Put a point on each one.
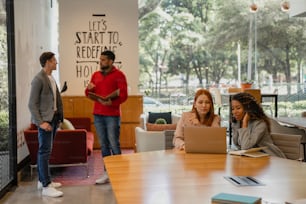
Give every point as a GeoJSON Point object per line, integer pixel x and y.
{"type": "Point", "coordinates": [27, 192]}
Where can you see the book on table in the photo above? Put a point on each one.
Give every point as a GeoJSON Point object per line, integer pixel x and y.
{"type": "Point", "coordinates": [226, 198]}
{"type": "Point", "coordinates": [99, 98]}
{"type": "Point", "coordinates": [298, 201]}
{"type": "Point", "coordinates": [253, 152]}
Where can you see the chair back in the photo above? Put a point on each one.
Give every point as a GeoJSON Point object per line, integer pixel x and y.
{"type": "Point", "coordinates": [288, 144]}
{"type": "Point", "coordinates": [276, 127]}
{"type": "Point", "coordinates": [234, 90]}
{"type": "Point", "coordinates": [256, 93]}
{"type": "Point", "coordinates": [216, 93]}
{"type": "Point", "coordinates": [169, 134]}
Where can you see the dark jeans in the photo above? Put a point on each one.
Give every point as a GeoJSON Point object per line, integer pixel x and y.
{"type": "Point", "coordinates": [45, 139]}
{"type": "Point", "coordinates": [108, 130]}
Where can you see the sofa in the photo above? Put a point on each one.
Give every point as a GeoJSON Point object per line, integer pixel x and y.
{"type": "Point", "coordinates": [152, 140]}
{"type": "Point", "coordinates": [71, 147]}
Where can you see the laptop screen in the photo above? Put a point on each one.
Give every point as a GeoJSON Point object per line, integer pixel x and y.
{"type": "Point", "coordinates": [205, 139]}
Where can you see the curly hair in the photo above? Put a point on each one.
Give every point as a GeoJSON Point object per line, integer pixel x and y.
{"type": "Point", "coordinates": [209, 117]}
{"type": "Point", "coordinates": [251, 107]}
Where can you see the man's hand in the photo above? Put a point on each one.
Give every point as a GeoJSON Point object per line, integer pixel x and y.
{"type": "Point", "coordinates": [91, 86]}
{"type": "Point", "coordinates": [46, 126]}
{"type": "Point", "coordinates": [107, 102]}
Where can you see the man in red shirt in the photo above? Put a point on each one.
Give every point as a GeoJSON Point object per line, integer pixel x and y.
{"type": "Point", "coordinates": [108, 87]}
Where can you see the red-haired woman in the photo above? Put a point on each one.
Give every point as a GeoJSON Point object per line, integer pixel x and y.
{"type": "Point", "coordinates": [202, 114]}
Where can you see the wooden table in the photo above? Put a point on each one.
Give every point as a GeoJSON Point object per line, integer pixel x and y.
{"type": "Point", "coordinates": [175, 177]}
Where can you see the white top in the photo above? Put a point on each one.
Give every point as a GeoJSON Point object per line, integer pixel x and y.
{"type": "Point", "coordinates": [53, 85]}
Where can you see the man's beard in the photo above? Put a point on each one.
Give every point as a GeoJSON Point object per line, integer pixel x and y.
{"type": "Point", "coordinates": [103, 68]}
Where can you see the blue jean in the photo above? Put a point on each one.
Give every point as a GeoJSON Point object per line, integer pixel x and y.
{"type": "Point", "coordinates": [45, 141]}
{"type": "Point", "coordinates": [108, 130]}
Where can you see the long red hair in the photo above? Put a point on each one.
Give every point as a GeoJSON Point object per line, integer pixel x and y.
{"type": "Point", "coordinates": [209, 117]}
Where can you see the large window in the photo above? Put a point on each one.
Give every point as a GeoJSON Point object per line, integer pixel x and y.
{"type": "Point", "coordinates": [3, 77]}
{"type": "Point", "coordinates": [8, 147]}
{"type": "Point", "coordinates": [187, 44]}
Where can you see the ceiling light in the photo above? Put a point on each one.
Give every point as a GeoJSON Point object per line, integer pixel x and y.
{"type": "Point", "coordinates": [285, 6]}
{"type": "Point", "coordinates": [253, 8]}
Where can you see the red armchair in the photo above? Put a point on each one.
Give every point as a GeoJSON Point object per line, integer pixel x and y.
{"type": "Point", "coordinates": [70, 147]}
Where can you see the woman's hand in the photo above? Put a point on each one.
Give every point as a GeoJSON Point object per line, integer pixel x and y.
{"type": "Point", "coordinates": [182, 147]}
{"type": "Point", "coordinates": [245, 120]}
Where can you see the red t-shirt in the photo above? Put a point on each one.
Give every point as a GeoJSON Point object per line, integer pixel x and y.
{"type": "Point", "coordinates": [106, 84]}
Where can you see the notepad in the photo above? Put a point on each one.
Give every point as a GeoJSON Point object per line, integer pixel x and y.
{"type": "Point", "coordinates": [226, 198]}
{"type": "Point", "coordinates": [253, 152]}
{"type": "Point", "coordinates": [99, 98]}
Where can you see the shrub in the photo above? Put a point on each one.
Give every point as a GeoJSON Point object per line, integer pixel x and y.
{"type": "Point", "coordinates": [4, 130]}
{"type": "Point", "coordinates": [160, 121]}
{"type": "Point", "coordinates": [299, 105]}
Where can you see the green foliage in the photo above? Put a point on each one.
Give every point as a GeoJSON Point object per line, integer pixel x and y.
{"type": "Point", "coordinates": [298, 105]}
{"type": "Point", "coordinates": [4, 130]}
{"type": "Point", "coordinates": [160, 121]}
{"type": "Point", "coordinates": [3, 69]}
{"type": "Point", "coordinates": [285, 105]}
{"type": "Point", "coordinates": [247, 81]}
{"type": "Point", "coordinates": [188, 35]}
{"type": "Point", "coordinates": [4, 116]}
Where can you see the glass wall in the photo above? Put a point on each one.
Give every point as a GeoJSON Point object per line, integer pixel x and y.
{"type": "Point", "coordinates": [8, 158]}
{"type": "Point", "coordinates": [187, 44]}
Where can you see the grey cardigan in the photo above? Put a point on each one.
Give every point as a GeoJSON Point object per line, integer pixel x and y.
{"type": "Point", "coordinates": [41, 100]}
{"type": "Point", "coordinates": [255, 135]}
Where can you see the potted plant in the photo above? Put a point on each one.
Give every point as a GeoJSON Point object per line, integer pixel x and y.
{"type": "Point", "coordinates": [160, 121]}
{"type": "Point", "coordinates": [246, 84]}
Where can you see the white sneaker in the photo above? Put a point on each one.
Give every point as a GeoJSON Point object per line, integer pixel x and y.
{"type": "Point", "coordinates": [52, 184]}
{"type": "Point", "coordinates": [103, 179]}
{"type": "Point", "coordinates": [51, 192]}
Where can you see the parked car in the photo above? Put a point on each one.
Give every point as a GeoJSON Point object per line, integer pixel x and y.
{"type": "Point", "coordinates": [148, 101]}
{"type": "Point", "coordinates": [153, 105]}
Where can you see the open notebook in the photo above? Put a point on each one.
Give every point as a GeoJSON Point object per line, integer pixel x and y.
{"type": "Point", "coordinates": [253, 152]}
{"type": "Point", "coordinates": [96, 97]}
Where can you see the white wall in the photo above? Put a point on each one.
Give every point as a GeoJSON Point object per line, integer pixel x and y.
{"type": "Point", "coordinates": [34, 31]}
{"type": "Point", "coordinates": [79, 29]}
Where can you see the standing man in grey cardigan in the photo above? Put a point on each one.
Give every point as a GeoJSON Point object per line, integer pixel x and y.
{"type": "Point", "coordinates": [46, 109]}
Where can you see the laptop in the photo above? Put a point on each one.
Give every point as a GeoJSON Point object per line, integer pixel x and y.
{"type": "Point", "coordinates": [209, 140]}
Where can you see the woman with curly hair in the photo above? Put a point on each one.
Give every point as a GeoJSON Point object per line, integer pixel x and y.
{"type": "Point", "coordinates": [202, 114]}
{"type": "Point", "coordinates": [251, 126]}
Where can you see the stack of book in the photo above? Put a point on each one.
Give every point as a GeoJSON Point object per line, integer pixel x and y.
{"type": "Point", "coordinates": [226, 198]}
